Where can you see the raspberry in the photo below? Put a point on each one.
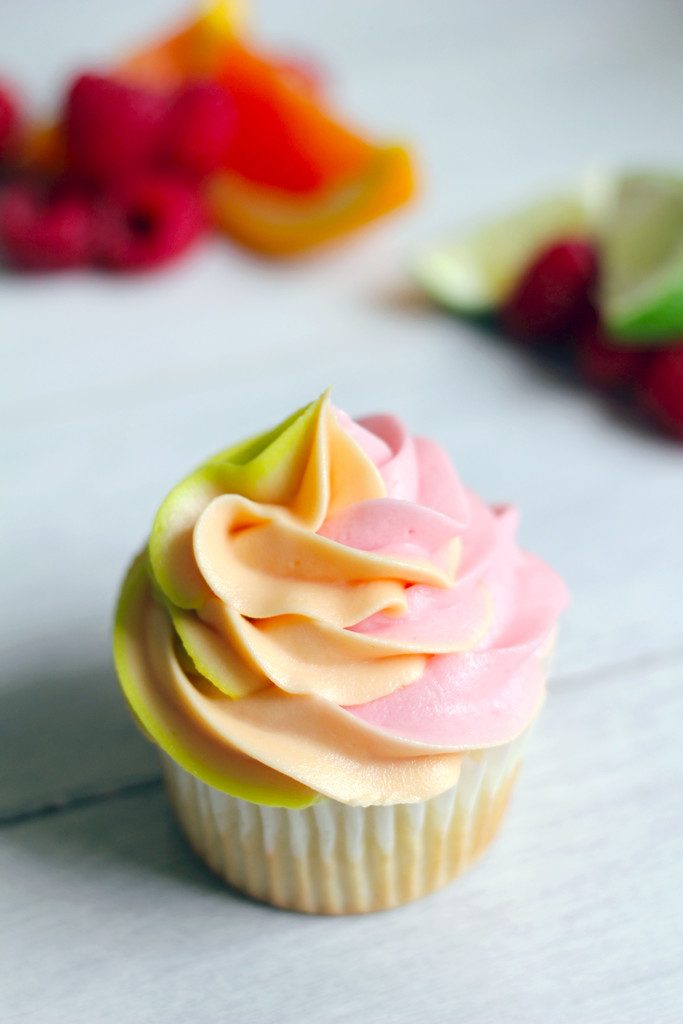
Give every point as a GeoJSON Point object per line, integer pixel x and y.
{"type": "Point", "coordinates": [199, 128]}
{"type": "Point", "coordinates": [553, 292]}
{"type": "Point", "coordinates": [9, 121]}
{"type": "Point", "coordinates": [662, 390]}
{"type": "Point", "coordinates": [603, 363]}
{"type": "Point", "coordinates": [112, 128]}
{"type": "Point", "coordinates": [148, 220]}
{"type": "Point", "coordinates": [37, 233]}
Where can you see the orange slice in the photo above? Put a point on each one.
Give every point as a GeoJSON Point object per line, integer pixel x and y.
{"type": "Point", "coordinates": [278, 224]}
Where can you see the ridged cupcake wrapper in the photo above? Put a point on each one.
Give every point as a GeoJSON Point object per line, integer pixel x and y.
{"type": "Point", "coordinates": [334, 859]}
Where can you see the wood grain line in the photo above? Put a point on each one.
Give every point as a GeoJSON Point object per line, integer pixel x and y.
{"type": "Point", "coordinates": [78, 803]}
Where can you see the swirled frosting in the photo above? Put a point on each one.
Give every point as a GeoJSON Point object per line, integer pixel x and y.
{"type": "Point", "coordinates": [325, 609]}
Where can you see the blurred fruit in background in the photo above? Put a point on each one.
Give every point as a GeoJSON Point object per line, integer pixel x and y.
{"type": "Point", "coordinates": [110, 129]}
{"type": "Point", "coordinates": [10, 122]}
{"type": "Point", "coordinates": [662, 392]}
{"type": "Point", "coordinates": [597, 271]}
{"type": "Point", "coordinates": [146, 220]}
{"type": "Point", "coordinates": [553, 292]}
{"type": "Point", "coordinates": [44, 232]}
{"type": "Point", "coordinates": [604, 364]}
{"type": "Point", "coordinates": [198, 129]}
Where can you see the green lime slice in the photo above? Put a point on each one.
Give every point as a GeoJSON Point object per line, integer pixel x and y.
{"type": "Point", "coordinates": [641, 249]}
{"type": "Point", "coordinates": [476, 273]}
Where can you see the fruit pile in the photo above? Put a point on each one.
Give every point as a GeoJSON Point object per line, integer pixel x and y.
{"type": "Point", "coordinates": [196, 131]}
{"type": "Point", "coordinates": [597, 273]}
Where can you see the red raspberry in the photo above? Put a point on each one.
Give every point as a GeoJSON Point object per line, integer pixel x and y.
{"type": "Point", "coordinates": [605, 364]}
{"type": "Point", "coordinates": [9, 121]}
{"type": "Point", "coordinates": [112, 128]}
{"type": "Point", "coordinates": [199, 129]}
{"type": "Point", "coordinates": [553, 292]}
{"type": "Point", "coordinates": [148, 220]}
{"type": "Point", "coordinates": [37, 233]}
{"type": "Point", "coordinates": [662, 391]}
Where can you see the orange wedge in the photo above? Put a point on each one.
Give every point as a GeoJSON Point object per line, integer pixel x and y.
{"type": "Point", "coordinates": [278, 224]}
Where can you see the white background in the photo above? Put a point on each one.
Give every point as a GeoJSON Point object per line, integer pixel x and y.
{"type": "Point", "coordinates": [113, 388]}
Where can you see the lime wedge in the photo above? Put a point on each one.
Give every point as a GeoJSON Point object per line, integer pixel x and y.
{"type": "Point", "coordinates": [641, 249]}
{"type": "Point", "coordinates": [476, 273]}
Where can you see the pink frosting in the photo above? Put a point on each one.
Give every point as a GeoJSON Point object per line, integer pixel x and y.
{"type": "Point", "coordinates": [467, 698]}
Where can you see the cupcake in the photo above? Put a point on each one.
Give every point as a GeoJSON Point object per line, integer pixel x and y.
{"type": "Point", "coordinates": [339, 651]}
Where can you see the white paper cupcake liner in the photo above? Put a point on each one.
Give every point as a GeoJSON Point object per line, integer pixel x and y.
{"type": "Point", "coordinates": [334, 859]}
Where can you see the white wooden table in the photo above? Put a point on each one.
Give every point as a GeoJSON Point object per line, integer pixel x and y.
{"type": "Point", "coordinates": [113, 388]}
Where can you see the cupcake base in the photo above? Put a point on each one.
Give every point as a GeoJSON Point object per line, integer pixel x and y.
{"type": "Point", "coordinates": [334, 859]}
